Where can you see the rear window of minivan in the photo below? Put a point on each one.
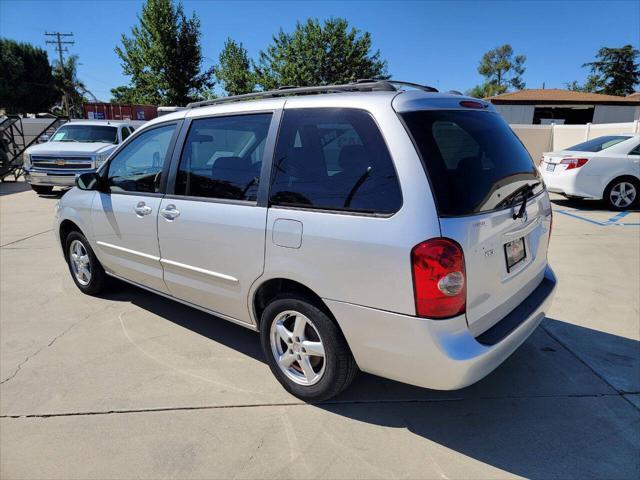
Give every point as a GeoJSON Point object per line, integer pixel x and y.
{"type": "Point", "coordinates": [473, 159]}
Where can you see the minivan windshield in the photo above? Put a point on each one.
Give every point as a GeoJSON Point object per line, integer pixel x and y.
{"type": "Point", "coordinates": [474, 161]}
{"type": "Point", "coordinates": [599, 144]}
{"type": "Point", "coordinates": [86, 133]}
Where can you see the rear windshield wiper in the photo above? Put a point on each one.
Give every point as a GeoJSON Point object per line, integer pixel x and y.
{"type": "Point", "coordinates": [525, 191]}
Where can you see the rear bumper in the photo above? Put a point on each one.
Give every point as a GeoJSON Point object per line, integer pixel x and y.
{"type": "Point", "coordinates": [53, 178]}
{"type": "Point", "coordinates": [438, 354]}
{"type": "Point", "coordinates": [567, 183]}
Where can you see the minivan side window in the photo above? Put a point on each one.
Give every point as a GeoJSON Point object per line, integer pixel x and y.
{"type": "Point", "coordinates": [138, 166]}
{"type": "Point", "coordinates": [125, 133]}
{"type": "Point", "coordinates": [333, 159]}
{"type": "Point", "coordinates": [222, 157]}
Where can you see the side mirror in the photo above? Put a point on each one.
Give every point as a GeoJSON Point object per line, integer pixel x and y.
{"type": "Point", "coordinates": [89, 181]}
{"type": "Point", "coordinates": [43, 138]}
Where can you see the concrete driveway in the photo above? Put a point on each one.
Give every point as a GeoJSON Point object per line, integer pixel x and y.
{"type": "Point", "coordinates": [131, 385]}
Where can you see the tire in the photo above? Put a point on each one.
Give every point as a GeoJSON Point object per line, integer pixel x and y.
{"type": "Point", "coordinates": [622, 193]}
{"type": "Point", "coordinates": [41, 189]}
{"type": "Point", "coordinates": [91, 279]}
{"type": "Point", "coordinates": [333, 373]}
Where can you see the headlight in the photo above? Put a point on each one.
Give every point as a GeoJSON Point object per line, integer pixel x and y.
{"type": "Point", "coordinates": [101, 158]}
{"type": "Point", "coordinates": [26, 160]}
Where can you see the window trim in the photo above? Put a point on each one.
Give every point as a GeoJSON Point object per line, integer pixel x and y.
{"type": "Point", "coordinates": [335, 211]}
{"type": "Point", "coordinates": [267, 157]}
{"type": "Point", "coordinates": [165, 166]}
{"type": "Point", "coordinates": [636, 149]}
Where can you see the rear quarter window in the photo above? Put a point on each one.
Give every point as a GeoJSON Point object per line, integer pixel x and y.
{"type": "Point", "coordinates": [333, 159]}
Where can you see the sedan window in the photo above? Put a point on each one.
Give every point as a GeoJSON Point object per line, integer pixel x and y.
{"type": "Point", "coordinates": [599, 144]}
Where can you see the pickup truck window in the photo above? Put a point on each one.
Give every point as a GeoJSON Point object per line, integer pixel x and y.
{"type": "Point", "coordinates": [86, 133]}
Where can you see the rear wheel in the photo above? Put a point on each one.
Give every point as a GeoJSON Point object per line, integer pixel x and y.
{"type": "Point", "coordinates": [86, 271]}
{"type": "Point", "coordinates": [622, 193]}
{"type": "Point", "coordinates": [305, 349]}
{"type": "Point", "coordinates": [41, 189]}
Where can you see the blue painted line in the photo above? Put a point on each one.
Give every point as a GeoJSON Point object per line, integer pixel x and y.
{"type": "Point", "coordinates": [600, 224]}
{"type": "Point", "coordinates": [615, 220]}
{"type": "Point", "coordinates": [617, 217]}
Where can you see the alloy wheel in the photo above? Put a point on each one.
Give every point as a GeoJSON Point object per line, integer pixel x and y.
{"type": "Point", "coordinates": [79, 261]}
{"type": "Point", "coordinates": [623, 194]}
{"type": "Point", "coordinates": [297, 348]}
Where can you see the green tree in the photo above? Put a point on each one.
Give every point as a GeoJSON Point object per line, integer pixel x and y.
{"type": "Point", "coordinates": [163, 56]}
{"type": "Point", "coordinates": [235, 71]}
{"type": "Point", "coordinates": [26, 81]}
{"type": "Point", "coordinates": [69, 85]}
{"type": "Point", "coordinates": [614, 72]}
{"type": "Point", "coordinates": [501, 70]}
{"type": "Point", "coordinates": [319, 54]}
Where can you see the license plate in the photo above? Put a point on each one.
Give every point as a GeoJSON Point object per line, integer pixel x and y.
{"type": "Point", "coordinates": [551, 167]}
{"type": "Point", "coordinates": [515, 252]}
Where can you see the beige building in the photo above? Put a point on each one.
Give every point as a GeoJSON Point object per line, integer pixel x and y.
{"type": "Point", "coordinates": [565, 107]}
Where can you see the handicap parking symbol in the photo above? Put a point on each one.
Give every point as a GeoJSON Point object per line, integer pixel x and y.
{"type": "Point", "coordinates": [615, 220]}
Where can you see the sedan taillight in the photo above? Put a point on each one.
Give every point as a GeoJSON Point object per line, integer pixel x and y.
{"type": "Point", "coordinates": [572, 163]}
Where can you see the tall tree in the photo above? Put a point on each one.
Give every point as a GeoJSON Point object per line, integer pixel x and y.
{"type": "Point", "coordinates": [163, 56]}
{"type": "Point", "coordinates": [235, 72]}
{"type": "Point", "coordinates": [68, 83]}
{"type": "Point", "coordinates": [319, 54]}
{"type": "Point", "coordinates": [502, 70]}
{"type": "Point", "coordinates": [26, 81]}
{"type": "Point", "coordinates": [614, 72]}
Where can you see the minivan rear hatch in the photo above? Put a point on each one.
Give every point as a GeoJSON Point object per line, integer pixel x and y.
{"type": "Point", "coordinates": [490, 200]}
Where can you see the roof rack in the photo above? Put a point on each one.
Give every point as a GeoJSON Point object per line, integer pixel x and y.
{"type": "Point", "coordinates": [362, 85]}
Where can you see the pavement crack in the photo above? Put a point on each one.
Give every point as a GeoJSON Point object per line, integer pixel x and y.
{"type": "Point", "coordinates": [619, 392]}
{"type": "Point", "coordinates": [51, 342]}
{"type": "Point", "coordinates": [331, 403]}
{"type": "Point", "coordinates": [26, 238]}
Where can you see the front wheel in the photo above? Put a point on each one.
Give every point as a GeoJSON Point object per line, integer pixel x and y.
{"type": "Point", "coordinates": [622, 193]}
{"type": "Point", "coordinates": [305, 349]}
{"type": "Point", "coordinates": [41, 189]}
{"type": "Point", "coordinates": [86, 271]}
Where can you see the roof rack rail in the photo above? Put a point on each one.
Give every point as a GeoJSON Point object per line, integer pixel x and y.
{"type": "Point", "coordinates": [362, 85]}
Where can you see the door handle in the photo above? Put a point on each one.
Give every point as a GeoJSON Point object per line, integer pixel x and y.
{"type": "Point", "coordinates": [142, 209]}
{"type": "Point", "coordinates": [170, 212]}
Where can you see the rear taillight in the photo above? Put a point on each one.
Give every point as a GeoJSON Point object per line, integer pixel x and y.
{"type": "Point", "coordinates": [439, 282]}
{"type": "Point", "coordinates": [572, 163]}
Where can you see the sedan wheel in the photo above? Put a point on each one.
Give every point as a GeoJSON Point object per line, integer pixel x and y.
{"type": "Point", "coordinates": [622, 195]}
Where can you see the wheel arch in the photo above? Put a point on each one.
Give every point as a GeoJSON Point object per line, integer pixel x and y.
{"type": "Point", "coordinates": [273, 287]}
{"type": "Point", "coordinates": [66, 227]}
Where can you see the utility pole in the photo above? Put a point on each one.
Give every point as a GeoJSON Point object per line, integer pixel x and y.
{"type": "Point", "coordinates": [59, 42]}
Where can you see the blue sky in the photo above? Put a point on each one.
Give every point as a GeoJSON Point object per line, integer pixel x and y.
{"type": "Point", "coordinates": [433, 42]}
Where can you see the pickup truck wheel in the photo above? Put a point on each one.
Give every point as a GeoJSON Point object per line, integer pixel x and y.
{"type": "Point", "coordinates": [305, 349]}
{"type": "Point", "coordinates": [41, 189]}
{"type": "Point", "coordinates": [86, 271]}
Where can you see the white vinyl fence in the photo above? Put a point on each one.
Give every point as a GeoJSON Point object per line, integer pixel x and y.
{"type": "Point", "coordinates": [548, 138]}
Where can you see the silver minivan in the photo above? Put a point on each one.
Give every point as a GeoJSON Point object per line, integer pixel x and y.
{"type": "Point", "coordinates": [375, 226]}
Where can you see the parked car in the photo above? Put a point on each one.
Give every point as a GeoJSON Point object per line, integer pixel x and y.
{"type": "Point", "coordinates": [606, 168]}
{"type": "Point", "coordinates": [75, 148]}
{"type": "Point", "coordinates": [402, 233]}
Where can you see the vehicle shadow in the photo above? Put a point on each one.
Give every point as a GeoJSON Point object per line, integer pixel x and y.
{"type": "Point", "coordinates": [10, 187]}
{"type": "Point", "coordinates": [545, 413]}
{"type": "Point", "coordinates": [586, 205]}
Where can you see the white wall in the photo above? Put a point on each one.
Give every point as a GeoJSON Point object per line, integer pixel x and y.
{"type": "Point", "coordinates": [520, 114]}
{"type": "Point", "coordinates": [614, 113]}
{"type": "Point", "coordinates": [546, 138]}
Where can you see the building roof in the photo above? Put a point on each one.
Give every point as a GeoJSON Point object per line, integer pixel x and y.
{"type": "Point", "coordinates": [558, 96]}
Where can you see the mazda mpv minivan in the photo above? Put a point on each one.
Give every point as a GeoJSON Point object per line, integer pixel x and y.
{"type": "Point", "coordinates": [375, 226]}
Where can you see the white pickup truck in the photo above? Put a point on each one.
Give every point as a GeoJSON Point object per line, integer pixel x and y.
{"type": "Point", "coordinates": [75, 148]}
